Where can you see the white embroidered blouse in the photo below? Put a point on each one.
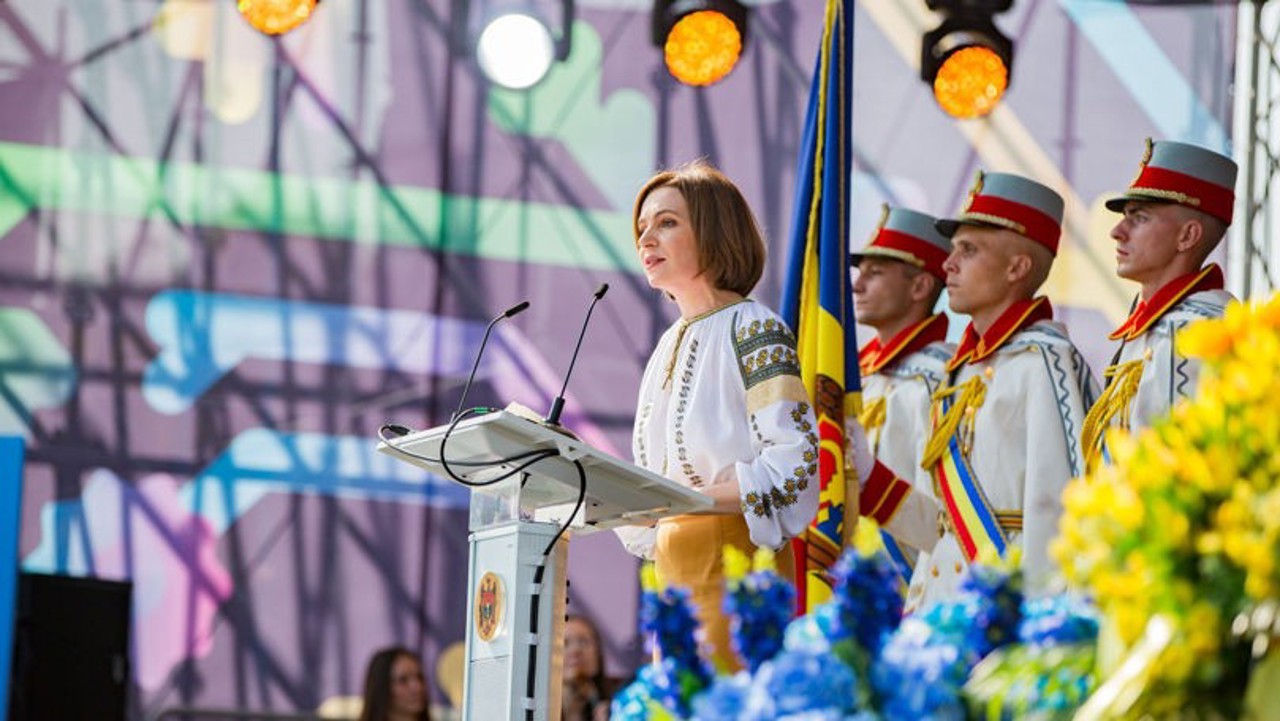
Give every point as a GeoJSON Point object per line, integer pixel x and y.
{"type": "Point", "coordinates": [721, 401]}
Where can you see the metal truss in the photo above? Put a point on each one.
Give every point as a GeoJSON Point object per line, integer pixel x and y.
{"type": "Point", "coordinates": [1254, 245]}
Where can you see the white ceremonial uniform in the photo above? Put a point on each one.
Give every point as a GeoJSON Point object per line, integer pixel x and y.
{"type": "Point", "coordinates": [721, 401]}
{"type": "Point", "coordinates": [1166, 374]}
{"type": "Point", "coordinates": [897, 438]}
{"type": "Point", "coordinates": [1023, 448]}
{"type": "Point", "coordinates": [1149, 375]}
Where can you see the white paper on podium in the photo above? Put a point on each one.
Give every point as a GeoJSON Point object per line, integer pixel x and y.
{"type": "Point", "coordinates": [618, 493]}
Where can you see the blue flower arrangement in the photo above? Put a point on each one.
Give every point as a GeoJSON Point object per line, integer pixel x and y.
{"type": "Point", "coordinates": [759, 604]}
{"type": "Point", "coordinates": [797, 682]}
{"type": "Point", "coordinates": [986, 653]}
{"type": "Point", "coordinates": [1050, 673]}
{"type": "Point", "coordinates": [867, 594]}
{"type": "Point", "coordinates": [725, 700]}
{"type": "Point", "coordinates": [923, 668]}
{"type": "Point", "coordinates": [665, 687]}
{"type": "Point", "coordinates": [1056, 620]}
{"type": "Point", "coordinates": [997, 612]}
{"type": "Point", "coordinates": [919, 674]}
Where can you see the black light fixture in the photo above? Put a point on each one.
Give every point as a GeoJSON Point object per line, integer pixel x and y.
{"type": "Point", "coordinates": [966, 60]}
{"type": "Point", "coordinates": [515, 48]}
{"type": "Point", "coordinates": [701, 40]}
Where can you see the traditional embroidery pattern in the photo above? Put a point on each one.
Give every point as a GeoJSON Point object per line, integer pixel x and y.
{"type": "Point", "coordinates": [642, 428]}
{"type": "Point", "coordinates": [682, 403]}
{"type": "Point", "coordinates": [802, 474]}
{"type": "Point", "coordinates": [1054, 369]}
{"type": "Point", "coordinates": [763, 504]}
{"type": "Point", "coordinates": [766, 349]}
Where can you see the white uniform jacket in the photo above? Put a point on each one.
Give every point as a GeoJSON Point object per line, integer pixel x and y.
{"type": "Point", "coordinates": [1020, 440]}
{"type": "Point", "coordinates": [898, 383]}
{"type": "Point", "coordinates": [1148, 374]}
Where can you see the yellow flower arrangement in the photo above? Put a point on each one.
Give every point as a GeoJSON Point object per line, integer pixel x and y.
{"type": "Point", "coordinates": [1185, 523]}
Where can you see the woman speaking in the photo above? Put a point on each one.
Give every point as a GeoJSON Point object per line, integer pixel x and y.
{"type": "Point", "coordinates": [722, 408]}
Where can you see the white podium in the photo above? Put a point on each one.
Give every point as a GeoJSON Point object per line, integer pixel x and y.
{"type": "Point", "coordinates": [515, 594]}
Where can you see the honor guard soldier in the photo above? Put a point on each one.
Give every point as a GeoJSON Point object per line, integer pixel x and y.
{"type": "Point", "coordinates": [1006, 425]}
{"type": "Point", "coordinates": [900, 278]}
{"type": "Point", "coordinates": [1176, 212]}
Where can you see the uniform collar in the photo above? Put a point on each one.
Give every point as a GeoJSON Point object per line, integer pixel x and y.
{"type": "Point", "coordinates": [874, 357]}
{"type": "Point", "coordinates": [1147, 312]}
{"type": "Point", "coordinates": [1022, 313]}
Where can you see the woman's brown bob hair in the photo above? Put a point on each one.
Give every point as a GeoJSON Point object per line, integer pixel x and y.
{"type": "Point", "coordinates": [731, 248]}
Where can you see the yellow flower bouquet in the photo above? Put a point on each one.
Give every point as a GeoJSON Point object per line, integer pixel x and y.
{"type": "Point", "coordinates": [1184, 525]}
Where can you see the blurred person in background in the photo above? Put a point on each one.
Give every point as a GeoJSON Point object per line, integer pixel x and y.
{"type": "Point", "coordinates": [587, 691]}
{"type": "Point", "coordinates": [394, 687]}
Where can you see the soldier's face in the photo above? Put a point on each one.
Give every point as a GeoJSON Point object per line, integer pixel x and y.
{"type": "Point", "coordinates": [1147, 240]}
{"type": "Point", "coordinates": [882, 291]}
{"type": "Point", "coordinates": [978, 268]}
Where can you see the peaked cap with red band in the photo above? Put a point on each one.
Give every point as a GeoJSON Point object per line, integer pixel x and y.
{"type": "Point", "coordinates": [910, 237]}
{"type": "Point", "coordinates": [1184, 174]}
{"type": "Point", "coordinates": [1004, 200]}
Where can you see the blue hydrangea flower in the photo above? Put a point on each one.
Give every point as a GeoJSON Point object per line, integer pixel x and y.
{"type": "Point", "coordinates": [668, 617]}
{"type": "Point", "coordinates": [867, 595]}
{"type": "Point", "coordinates": [919, 675]}
{"type": "Point", "coordinates": [759, 607]}
{"type": "Point", "coordinates": [632, 703]}
{"type": "Point", "coordinates": [997, 611]}
{"type": "Point", "coordinates": [1061, 619]}
{"type": "Point", "coordinates": [813, 631]}
{"type": "Point", "coordinates": [725, 700]}
{"type": "Point", "coordinates": [796, 682]}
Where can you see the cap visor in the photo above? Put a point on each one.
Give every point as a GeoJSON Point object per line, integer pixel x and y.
{"type": "Point", "coordinates": [1116, 203]}
{"type": "Point", "coordinates": [887, 253]}
{"type": "Point", "coordinates": [947, 226]}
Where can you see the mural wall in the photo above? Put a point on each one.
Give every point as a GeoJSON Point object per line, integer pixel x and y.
{"type": "Point", "coordinates": [226, 260]}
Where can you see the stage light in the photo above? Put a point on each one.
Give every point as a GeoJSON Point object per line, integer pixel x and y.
{"type": "Point", "coordinates": [515, 41]}
{"type": "Point", "coordinates": [276, 17]}
{"type": "Point", "coordinates": [701, 40]}
{"type": "Point", "coordinates": [966, 60]}
{"type": "Point", "coordinates": [515, 50]}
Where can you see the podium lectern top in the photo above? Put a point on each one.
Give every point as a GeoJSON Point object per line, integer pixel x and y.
{"type": "Point", "coordinates": [618, 493]}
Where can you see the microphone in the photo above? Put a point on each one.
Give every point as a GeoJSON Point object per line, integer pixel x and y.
{"type": "Point", "coordinates": [557, 406]}
{"type": "Point", "coordinates": [513, 310]}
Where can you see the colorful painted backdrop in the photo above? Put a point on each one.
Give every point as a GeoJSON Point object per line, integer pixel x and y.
{"type": "Point", "coordinates": [226, 260]}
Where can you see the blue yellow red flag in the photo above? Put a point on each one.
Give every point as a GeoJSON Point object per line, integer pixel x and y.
{"type": "Point", "coordinates": [816, 302]}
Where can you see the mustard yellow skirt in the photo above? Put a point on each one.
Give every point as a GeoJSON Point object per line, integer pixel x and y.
{"type": "Point", "coordinates": [689, 554]}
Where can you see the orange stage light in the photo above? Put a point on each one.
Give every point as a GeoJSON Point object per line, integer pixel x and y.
{"type": "Point", "coordinates": [702, 48]}
{"type": "Point", "coordinates": [276, 17]}
{"type": "Point", "coordinates": [971, 82]}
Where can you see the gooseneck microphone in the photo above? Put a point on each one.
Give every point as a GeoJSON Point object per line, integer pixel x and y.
{"type": "Point", "coordinates": [513, 310]}
{"type": "Point", "coordinates": [557, 406]}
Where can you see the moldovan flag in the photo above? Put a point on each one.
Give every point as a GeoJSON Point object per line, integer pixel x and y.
{"type": "Point", "coordinates": [816, 302]}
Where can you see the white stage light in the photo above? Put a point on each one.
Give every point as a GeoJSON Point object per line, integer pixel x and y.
{"type": "Point", "coordinates": [515, 51]}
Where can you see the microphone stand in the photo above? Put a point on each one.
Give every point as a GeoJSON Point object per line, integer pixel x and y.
{"type": "Point", "coordinates": [513, 310]}
{"type": "Point", "coordinates": [557, 405]}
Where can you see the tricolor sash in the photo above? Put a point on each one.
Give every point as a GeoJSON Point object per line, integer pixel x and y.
{"type": "Point", "coordinates": [976, 526]}
{"type": "Point", "coordinates": [903, 557]}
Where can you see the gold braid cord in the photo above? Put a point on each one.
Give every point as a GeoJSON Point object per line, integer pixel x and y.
{"type": "Point", "coordinates": [969, 398]}
{"type": "Point", "coordinates": [873, 414]}
{"type": "Point", "coordinates": [1122, 387]}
